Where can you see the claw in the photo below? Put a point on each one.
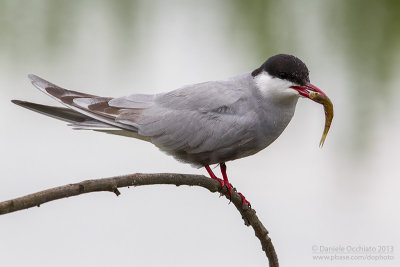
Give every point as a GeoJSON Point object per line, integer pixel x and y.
{"type": "Point", "coordinates": [244, 201]}
{"type": "Point", "coordinates": [228, 186]}
{"type": "Point", "coordinates": [220, 181]}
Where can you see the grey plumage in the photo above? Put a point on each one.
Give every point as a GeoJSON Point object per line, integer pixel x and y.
{"type": "Point", "coordinates": [200, 124]}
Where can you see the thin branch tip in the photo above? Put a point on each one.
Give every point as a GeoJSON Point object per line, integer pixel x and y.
{"type": "Point", "coordinates": [116, 191]}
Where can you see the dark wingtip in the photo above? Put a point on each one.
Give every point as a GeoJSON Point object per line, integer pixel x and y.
{"type": "Point", "coordinates": [17, 102]}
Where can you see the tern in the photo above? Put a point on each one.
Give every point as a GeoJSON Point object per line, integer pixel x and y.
{"type": "Point", "coordinates": [201, 124]}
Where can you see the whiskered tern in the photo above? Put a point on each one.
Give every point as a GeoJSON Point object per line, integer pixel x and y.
{"type": "Point", "coordinates": [201, 124]}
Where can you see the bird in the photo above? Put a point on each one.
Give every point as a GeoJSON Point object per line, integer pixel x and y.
{"type": "Point", "coordinates": [201, 124]}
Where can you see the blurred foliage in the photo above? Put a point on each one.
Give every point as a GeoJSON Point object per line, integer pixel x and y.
{"type": "Point", "coordinates": [369, 33]}
{"type": "Point", "coordinates": [255, 18]}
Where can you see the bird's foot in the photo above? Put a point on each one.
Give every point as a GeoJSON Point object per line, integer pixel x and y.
{"type": "Point", "coordinates": [220, 181]}
{"type": "Point", "coordinates": [223, 183]}
{"type": "Point", "coordinates": [222, 165]}
{"type": "Point", "coordinates": [244, 201]}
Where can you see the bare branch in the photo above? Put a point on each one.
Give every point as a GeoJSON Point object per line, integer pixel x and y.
{"type": "Point", "coordinates": [112, 184]}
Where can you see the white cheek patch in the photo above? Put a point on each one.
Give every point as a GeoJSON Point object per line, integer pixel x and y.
{"type": "Point", "coordinates": [274, 87]}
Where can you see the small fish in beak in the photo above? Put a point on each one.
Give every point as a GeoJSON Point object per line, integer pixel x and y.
{"type": "Point", "coordinates": [328, 108]}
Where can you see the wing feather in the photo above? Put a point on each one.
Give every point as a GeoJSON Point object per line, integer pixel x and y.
{"type": "Point", "coordinates": [190, 123]}
{"type": "Point", "coordinates": [68, 98]}
{"type": "Point", "coordinates": [200, 118]}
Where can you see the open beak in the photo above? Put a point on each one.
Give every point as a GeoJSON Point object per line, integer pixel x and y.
{"type": "Point", "coordinates": [304, 90]}
{"type": "Point", "coordinates": [318, 96]}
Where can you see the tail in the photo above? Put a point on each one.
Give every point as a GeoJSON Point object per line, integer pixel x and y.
{"type": "Point", "coordinates": [77, 120]}
{"type": "Point", "coordinates": [82, 111]}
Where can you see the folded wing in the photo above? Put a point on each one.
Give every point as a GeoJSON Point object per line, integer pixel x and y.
{"type": "Point", "coordinates": [195, 119]}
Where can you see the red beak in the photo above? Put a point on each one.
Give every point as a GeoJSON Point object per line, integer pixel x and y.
{"type": "Point", "coordinates": [304, 89]}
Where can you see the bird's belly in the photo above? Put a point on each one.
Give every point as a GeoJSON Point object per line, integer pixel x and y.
{"type": "Point", "coordinates": [219, 155]}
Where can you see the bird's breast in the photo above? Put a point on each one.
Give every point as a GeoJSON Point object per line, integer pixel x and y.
{"type": "Point", "coordinates": [274, 119]}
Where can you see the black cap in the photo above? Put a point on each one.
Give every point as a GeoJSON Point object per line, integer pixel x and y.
{"type": "Point", "coordinates": [286, 67]}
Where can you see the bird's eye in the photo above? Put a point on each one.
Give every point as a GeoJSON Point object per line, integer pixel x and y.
{"type": "Point", "coordinates": [282, 75]}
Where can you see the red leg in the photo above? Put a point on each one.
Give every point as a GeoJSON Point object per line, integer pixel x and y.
{"type": "Point", "coordinates": [212, 175]}
{"type": "Point", "coordinates": [226, 181]}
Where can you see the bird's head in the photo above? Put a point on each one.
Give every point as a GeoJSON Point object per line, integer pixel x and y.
{"type": "Point", "coordinates": [283, 78]}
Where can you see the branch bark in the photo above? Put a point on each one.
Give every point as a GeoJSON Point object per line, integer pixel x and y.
{"type": "Point", "coordinates": [112, 184]}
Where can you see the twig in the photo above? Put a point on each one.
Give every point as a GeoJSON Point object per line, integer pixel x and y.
{"type": "Point", "coordinates": [112, 184]}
